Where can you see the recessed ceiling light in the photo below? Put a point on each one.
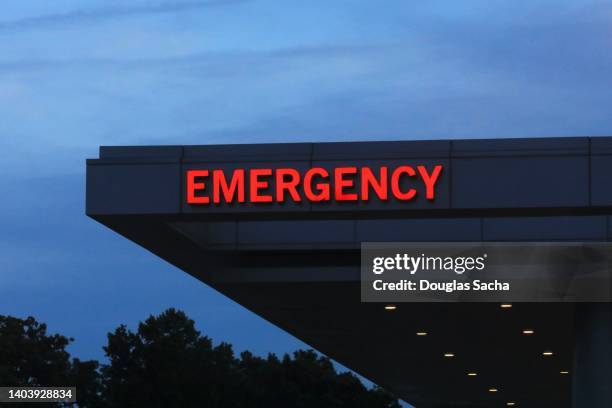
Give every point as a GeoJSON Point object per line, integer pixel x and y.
{"type": "Point", "coordinates": [547, 353]}
{"type": "Point", "coordinates": [506, 305]}
{"type": "Point", "coordinates": [510, 404]}
{"type": "Point", "coordinates": [421, 333]}
{"type": "Point", "coordinates": [528, 331]}
{"type": "Point", "coordinates": [564, 372]}
{"type": "Point", "coordinates": [472, 374]}
{"type": "Point", "coordinates": [390, 307]}
{"type": "Point", "coordinates": [449, 355]}
{"type": "Point", "coordinates": [492, 389]}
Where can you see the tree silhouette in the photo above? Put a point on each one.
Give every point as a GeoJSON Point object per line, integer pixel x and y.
{"type": "Point", "coordinates": [30, 357]}
{"type": "Point", "coordinates": [167, 362]}
{"type": "Point", "coordinates": [307, 380]}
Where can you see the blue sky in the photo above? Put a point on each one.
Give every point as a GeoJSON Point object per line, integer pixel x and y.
{"type": "Point", "coordinates": [78, 74]}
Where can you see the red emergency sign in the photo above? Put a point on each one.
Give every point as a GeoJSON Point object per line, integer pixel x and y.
{"type": "Point", "coordinates": [317, 184]}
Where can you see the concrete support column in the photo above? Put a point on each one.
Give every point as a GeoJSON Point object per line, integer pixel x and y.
{"type": "Point", "coordinates": [592, 371]}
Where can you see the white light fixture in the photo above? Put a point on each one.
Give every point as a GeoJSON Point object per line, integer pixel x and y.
{"type": "Point", "coordinates": [421, 333]}
{"type": "Point", "coordinates": [547, 353]}
{"type": "Point", "coordinates": [390, 307]}
{"type": "Point", "coordinates": [449, 355]}
{"type": "Point", "coordinates": [528, 331]}
{"type": "Point", "coordinates": [506, 305]}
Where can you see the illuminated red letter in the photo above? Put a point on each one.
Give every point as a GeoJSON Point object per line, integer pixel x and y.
{"type": "Point", "coordinates": [220, 185]}
{"type": "Point", "coordinates": [192, 186]}
{"type": "Point", "coordinates": [340, 183]}
{"type": "Point", "coordinates": [282, 185]}
{"type": "Point", "coordinates": [323, 188]}
{"type": "Point", "coordinates": [395, 183]}
{"type": "Point", "coordinates": [369, 179]}
{"type": "Point", "coordinates": [430, 180]}
{"type": "Point", "coordinates": [256, 185]}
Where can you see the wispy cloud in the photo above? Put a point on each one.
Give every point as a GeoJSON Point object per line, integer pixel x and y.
{"type": "Point", "coordinates": [225, 59]}
{"type": "Point", "coordinates": [109, 12]}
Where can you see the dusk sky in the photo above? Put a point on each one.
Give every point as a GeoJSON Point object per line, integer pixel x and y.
{"type": "Point", "coordinates": [78, 74]}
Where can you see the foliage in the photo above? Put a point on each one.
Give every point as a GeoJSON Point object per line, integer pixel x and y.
{"type": "Point", "coordinates": [30, 357]}
{"type": "Point", "coordinates": [167, 362]}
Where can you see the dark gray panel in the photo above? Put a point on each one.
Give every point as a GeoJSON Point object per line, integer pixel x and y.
{"type": "Point", "coordinates": [520, 147]}
{"type": "Point", "coordinates": [288, 232]}
{"type": "Point", "coordinates": [569, 228]}
{"type": "Point", "coordinates": [149, 152]}
{"type": "Point", "coordinates": [133, 189]}
{"type": "Point", "coordinates": [210, 232]}
{"type": "Point", "coordinates": [381, 150]}
{"type": "Point", "coordinates": [601, 180]}
{"type": "Point", "coordinates": [601, 145]}
{"type": "Point", "coordinates": [415, 230]}
{"type": "Point", "coordinates": [248, 152]}
{"type": "Point", "coordinates": [507, 182]}
{"type": "Point", "coordinates": [488, 173]}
